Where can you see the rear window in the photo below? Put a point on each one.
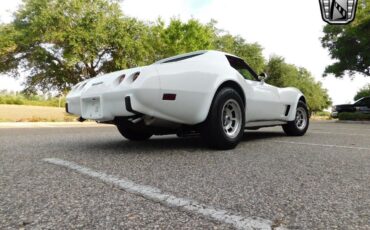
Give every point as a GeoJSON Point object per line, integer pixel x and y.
{"type": "Point", "coordinates": [180, 57]}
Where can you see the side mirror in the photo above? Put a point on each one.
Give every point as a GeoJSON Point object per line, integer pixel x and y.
{"type": "Point", "coordinates": [262, 77]}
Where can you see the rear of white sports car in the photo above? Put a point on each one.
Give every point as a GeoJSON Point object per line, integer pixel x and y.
{"type": "Point", "coordinates": [136, 103]}
{"type": "Point", "coordinates": [106, 97]}
{"type": "Point", "coordinates": [139, 105]}
{"type": "Point", "coordinates": [177, 90]}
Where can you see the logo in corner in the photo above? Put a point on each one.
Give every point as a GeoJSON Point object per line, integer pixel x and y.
{"type": "Point", "coordinates": [338, 12]}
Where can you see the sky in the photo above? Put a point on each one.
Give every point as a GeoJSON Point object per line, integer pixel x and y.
{"type": "Point", "coordinates": [288, 28]}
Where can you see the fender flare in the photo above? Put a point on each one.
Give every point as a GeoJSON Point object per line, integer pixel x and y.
{"type": "Point", "coordinates": [226, 83]}
{"type": "Point", "coordinates": [300, 97]}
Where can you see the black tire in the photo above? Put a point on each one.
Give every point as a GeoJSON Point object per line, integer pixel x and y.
{"type": "Point", "coordinates": [131, 131]}
{"type": "Point", "coordinates": [293, 128]}
{"type": "Point", "coordinates": [213, 131]}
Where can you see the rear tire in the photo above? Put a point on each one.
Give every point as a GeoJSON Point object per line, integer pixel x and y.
{"type": "Point", "coordinates": [131, 131]}
{"type": "Point", "coordinates": [224, 126]}
{"type": "Point", "coordinates": [299, 126]}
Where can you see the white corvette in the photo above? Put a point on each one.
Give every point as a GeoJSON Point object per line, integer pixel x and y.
{"type": "Point", "coordinates": [208, 92]}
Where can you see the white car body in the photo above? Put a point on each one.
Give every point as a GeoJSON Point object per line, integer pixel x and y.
{"type": "Point", "coordinates": [189, 82]}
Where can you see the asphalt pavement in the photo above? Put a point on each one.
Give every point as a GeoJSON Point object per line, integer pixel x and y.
{"type": "Point", "coordinates": [102, 181]}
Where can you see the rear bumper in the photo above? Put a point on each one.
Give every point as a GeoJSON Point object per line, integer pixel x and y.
{"type": "Point", "coordinates": [106, 105]}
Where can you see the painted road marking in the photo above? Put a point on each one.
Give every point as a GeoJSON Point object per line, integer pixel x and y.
{"type": "Point", "coordinates": [156, 195]}
{"type": "Point", "coordinates": [323, 145]}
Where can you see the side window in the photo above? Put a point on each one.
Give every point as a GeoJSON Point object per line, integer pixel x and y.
{"type": "Point", "coordinates": [242, 67]}
{"type": "Point", "coordinates": [246, 74]}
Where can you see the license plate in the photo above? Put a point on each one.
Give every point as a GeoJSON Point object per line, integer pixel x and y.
{"type": "Point", "coordinates": [92, 108]}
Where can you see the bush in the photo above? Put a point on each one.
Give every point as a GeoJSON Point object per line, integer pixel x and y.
{"type": "Point", "coordinates": [11, 100]}
{"type": "Point", "coordinates": [354, 116]}
{"type": "Point", "coordinates": [21, 99]}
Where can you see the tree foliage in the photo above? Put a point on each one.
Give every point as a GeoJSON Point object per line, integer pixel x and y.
{"type": "Point", "coordinates": [363, 92]}
{"type": "Point", "coordinates": [250, 52]}
{"type": "Point", "coordinates": [349, 45]}
{"type": "Point", "coordinates": [57, 43]}
{"type": "Point", "coordinates": [285, 75]}
{"type": "Point", "coordinates": [182, 37]}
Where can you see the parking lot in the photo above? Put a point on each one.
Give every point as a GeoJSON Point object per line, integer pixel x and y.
{"type": "Point", "coordinates": [90, 177]}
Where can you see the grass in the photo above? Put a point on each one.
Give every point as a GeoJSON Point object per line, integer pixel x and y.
{"type": "Point", "coordinates": [322, 115]}
{"type": "Point", "coordinates": [27, 113]}
{"type": "Point", "coordinates": [20, 99]}
{"type": "Point", "coordinates": [32, 108]}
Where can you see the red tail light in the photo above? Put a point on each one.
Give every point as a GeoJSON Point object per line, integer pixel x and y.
{"type": "Point", "coordinates": [169, 97]}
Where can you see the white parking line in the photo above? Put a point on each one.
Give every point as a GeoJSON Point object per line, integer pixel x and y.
{"type": "Point", "coordinates": [156, 195]}
{"type": "Point", "coordinates": [323, 145]}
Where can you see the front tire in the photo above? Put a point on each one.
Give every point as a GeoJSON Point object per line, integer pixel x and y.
{"type": "Point", "coordinates": [224, 126]}
{"type": "Point", "coordinates": [299, 126]}
{"type": "Point", "coordinates": [131, 131]}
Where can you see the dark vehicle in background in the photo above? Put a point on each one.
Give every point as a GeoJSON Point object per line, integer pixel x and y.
{"type": "Point", "coordinates": [362, 106]}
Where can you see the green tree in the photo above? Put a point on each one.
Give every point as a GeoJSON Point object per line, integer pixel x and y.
{"type": "Point", "coordinates": [58, 43]}
{"type": "Point", "coordinates": [282, 74]}
{"type": "Point", "coordinates": [181, 37]}
{"type": "Point", "coordinates": [349, 44]}
{"type": "Point", "coordinates": [363, 92]}
{"type": "Point", "coordinates": [250, 52]}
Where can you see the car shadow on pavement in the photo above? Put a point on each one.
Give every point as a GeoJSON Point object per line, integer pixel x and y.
{"type": "Point", "coordinates": [169, 143]}
{"type": "Point", "coordinates": [263, 135]}
{"type": "Point", "coordinates": [153, 145]}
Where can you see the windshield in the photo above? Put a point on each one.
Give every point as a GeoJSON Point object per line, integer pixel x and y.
{"type": "Point", "coordinates": [363, 101]}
